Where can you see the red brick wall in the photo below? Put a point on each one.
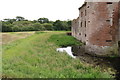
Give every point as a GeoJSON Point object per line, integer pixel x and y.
{"type": "Point", "coordinates": [119, 21]}
{"type": "Point", "coordinates": [103, 23]}
{"type": "Point", "coordinates": [98, 25]}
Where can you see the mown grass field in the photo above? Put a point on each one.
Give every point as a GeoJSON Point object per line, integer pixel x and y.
{"type": "Point", "coordinates": [36, 57]}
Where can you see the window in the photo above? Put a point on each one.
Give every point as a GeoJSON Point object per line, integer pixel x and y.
{"type": "Point", "coordinates": [109, 2]}
{"type": "Point", "coordinates": [85, 23]}
{"type": "Point", "coordinates": [79, 33]}
{"type": "Point", "coordinates": [108, 40]}
{"type": "Point", "coordinates": [85, 13]}
{"type": "Point", "coordinates": [107, 20]}
{"type": "Point", "coordinates": [81, 24]}
{"type": "Point", "coordinates": [81, 14]}
{"type": "Point", "coordinates": [119, 43]}
{"type": "Point", "coordinates": [85, 35]}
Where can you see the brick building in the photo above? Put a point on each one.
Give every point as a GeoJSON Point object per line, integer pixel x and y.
{"type": "Point", "coordinates": [98, 27]}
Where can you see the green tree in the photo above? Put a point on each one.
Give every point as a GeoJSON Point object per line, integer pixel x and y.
{"type": "Point", "coordinates": [22, 24]}
{"type": "Point", "coordinates": [19, 18]}
{"type": "Point", "coordinates": [38, 27]}
{"type": "Point", "coordinates": [9, 20]}
{"type": "Point", "coordinates": [6, 27]}
{"type": "Point", "coordinates": [16, 29]}
{"type": "Point", "coordinates": [62, 25]}
{"type": "Point", "coordinates": [43, 20]}
{"type": "Point", "coordinates": [48, 26]}
{"type": "Point", "coordinates": [69, 22]}
{"type": "Point", "coordinates": [59, 25]}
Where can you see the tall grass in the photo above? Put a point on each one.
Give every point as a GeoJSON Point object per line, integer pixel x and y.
{"type": "Point", "coordinates": [36, 57]}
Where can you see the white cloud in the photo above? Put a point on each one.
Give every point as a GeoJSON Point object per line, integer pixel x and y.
{"type": "Point", "coordinates": [34, 9]}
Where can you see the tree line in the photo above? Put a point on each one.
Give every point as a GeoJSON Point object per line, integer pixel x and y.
{"type": "Point", "coordinates": [21, 24]}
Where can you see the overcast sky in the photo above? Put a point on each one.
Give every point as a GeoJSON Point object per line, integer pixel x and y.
{"type": "Point", "coordinates": [34, 9]}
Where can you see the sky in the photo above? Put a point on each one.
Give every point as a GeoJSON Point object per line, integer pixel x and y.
{"type": "Point", "coordinates": [34, 9]}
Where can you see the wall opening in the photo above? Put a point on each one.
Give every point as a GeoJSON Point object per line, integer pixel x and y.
{"type": "Point", "coordinates": [81, 14]}
{"type": "Point", "coordinates": [85, 23]}
{"type": "Point", "coordinates": [119, 47]}
{"type": "Point", "coordinates": [79, 33]}
{"type": "Point", "coordinates": [107, 20]}
{"type": "Point", "coordinates": [109, 2]}
{"type": "Point", "coordinates": [81, 24]}
{"type": "Point", "coordinates": [108, 40]}
{"type": "Point", "coordinates": [85, 35]}
{"type": "Point", "coordinates": [85, 13]}
{"type": "Point", "coordinates": [119, 44]}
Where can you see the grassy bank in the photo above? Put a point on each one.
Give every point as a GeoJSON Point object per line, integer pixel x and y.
{"type": "Point", "coordinates": [36, 57]}
{"type": "Point", "coordinates": [63, 40]}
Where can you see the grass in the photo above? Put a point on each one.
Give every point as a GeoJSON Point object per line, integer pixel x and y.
{"type": "Point", "coordinates": [64, 40]}
{"type": "Point", "coordinates": [36, 57]}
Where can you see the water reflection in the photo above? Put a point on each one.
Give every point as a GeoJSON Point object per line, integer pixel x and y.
{"type": "Point", "coordinates": [68, 50]}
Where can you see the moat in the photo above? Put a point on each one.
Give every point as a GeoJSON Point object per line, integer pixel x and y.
{"type": "Point", "coordinates": [104, 63]}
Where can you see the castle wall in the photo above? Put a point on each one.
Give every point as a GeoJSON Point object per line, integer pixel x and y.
{"type": "Point", "coordinates": [119, 22]}
{"type": "Point", "coordinates": [99, 27]}
{"type": "Point", "coordinates": [75, 25]}
{"type": "Point", "coordinates": [82, 23]}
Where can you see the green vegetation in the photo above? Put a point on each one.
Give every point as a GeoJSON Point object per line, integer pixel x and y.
{"type": "Point", "coordinates": [36, 57]}
{"type": "Point", "coordinates": [42, 24]}
{"type": "Point", "coordinates": [63, 40]}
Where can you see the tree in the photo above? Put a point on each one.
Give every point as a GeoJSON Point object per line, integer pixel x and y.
{"type": "Point", "coordinates": [9, 20]}
{"type": "Point", "coordinates": [69, 22]}
{"type": "Point", "coordinates": [43, 20]}
{"type": "Point", "coordinates": [6, 27]}
{"type": "Point", "coordinates": [57, 25]}
{"type": "Point", "coordinates": [19, 18]}
{"type": "Point", "coordinates": [38, 27]}
{"type": "Point", "coordinates": [48, 26]}
{"type": "Point", "coordinates": [16, 28]}
{"type": "Point", "coordinates": [21, 24]}
{"type": "Point", "coordinates": [60, 25]}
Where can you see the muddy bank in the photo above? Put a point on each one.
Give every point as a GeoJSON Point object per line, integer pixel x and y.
{"type": "Point", "coordinates": [105, 63]}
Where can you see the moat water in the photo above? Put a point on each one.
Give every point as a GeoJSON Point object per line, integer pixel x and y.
{"type": "Point", "coordinates": [68, 50]}
{"type": "Point", "coordinates": [103, 62]}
